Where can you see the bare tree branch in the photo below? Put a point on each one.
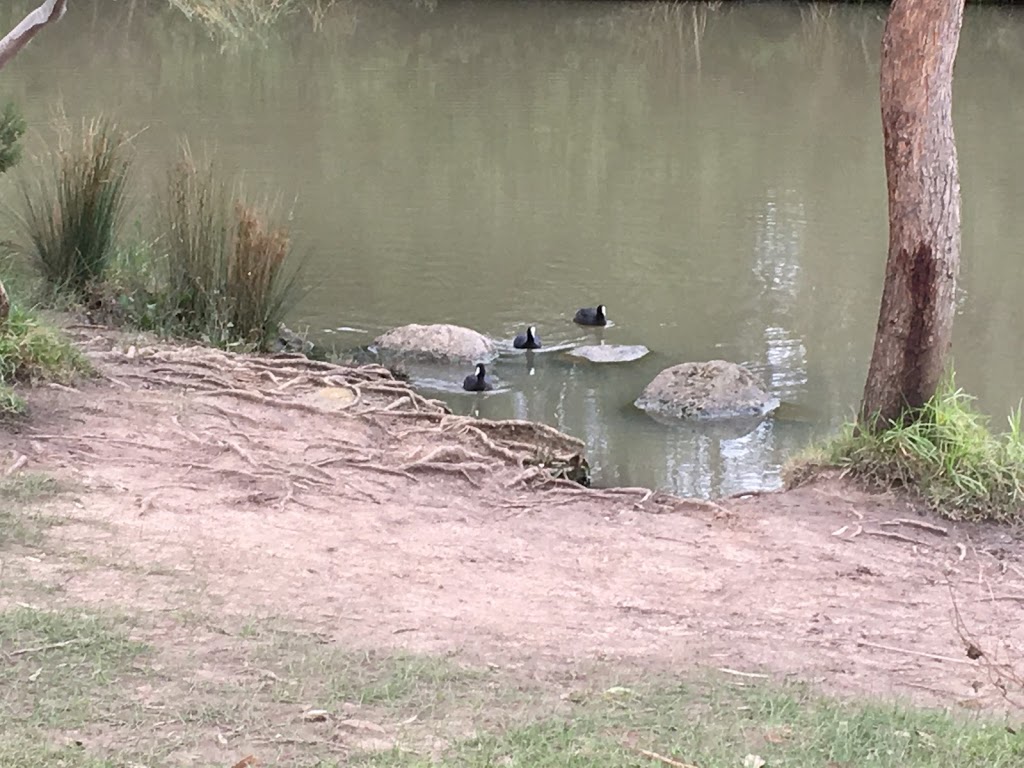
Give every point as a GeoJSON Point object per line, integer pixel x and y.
{"type": "Point", "coordinates": [17, 38]}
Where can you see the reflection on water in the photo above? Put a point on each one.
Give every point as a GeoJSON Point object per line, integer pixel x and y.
{"type": "Point", "coordinates": [714, 177]}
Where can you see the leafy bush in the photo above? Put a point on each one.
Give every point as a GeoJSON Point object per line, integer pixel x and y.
{"type": "Point", "coordinates": [12, 126]}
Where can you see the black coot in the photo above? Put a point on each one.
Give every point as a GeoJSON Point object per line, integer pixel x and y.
{"type": "Point", "coordinates": [478, 381]}
{"type": "Point", "coordinates": [591, 316]}
{"type": "Point", "coordinates": [528, 340]}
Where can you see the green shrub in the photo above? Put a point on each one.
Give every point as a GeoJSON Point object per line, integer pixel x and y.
{"type": "Point", "coordinates": [31, 351]}
{"type": "Point", "coordinates": [228, 276]}
{"type": "Point", "coordinates": [12, 126]}
{"type": "Point", "coordinates": [74, 211]}
{"type": "Point", "coordinates": [945, 453]}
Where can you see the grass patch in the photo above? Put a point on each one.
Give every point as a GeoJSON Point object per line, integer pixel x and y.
{"type": "Point", "coordinates": [74, 210]}
{"type": "Point", "coordinates": [382, 681]}
{"type": "Point", "coordinates": [409, 710]}
{"type": "Point", "coordinates": [238, 20]}
{"type": "Point", "coordinates": [57, 662]}
{"type": "Point", "coordinates": [20, 522]}
{"type": "Point", "coordinates": [946, 454]}
{"type": "Point", "coordinates": [31, 351]}
{"type": "Point", "coordinates": [717, 725]}
{"type": "Point", "coordinates": [229, 279]}
{"type": "Point", "coordinates": [24, 751]}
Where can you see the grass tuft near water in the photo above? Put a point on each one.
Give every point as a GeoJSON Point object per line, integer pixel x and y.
{"type": "Point", "coordinates": [229, 261]}
{"type": "Point", "coordinates": [947, 454]}
{"type": "Point", "coordinates": [74, 210]}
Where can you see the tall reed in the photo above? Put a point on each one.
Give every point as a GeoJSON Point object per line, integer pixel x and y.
{"type": "Point", "coordinates": [230, 275]}
{"type": "Point", "coordinates": [73, 211]}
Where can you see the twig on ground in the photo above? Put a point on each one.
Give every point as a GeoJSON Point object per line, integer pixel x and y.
{"type": "Point", "coordinates": [96, 439]}
{"type": "Point", "coordinates": [898, 537]}
{"type": "Point", "coordinates": [737, 673]}
{"type": "Point", "coordinates": [229, 414]}
{"type": "Point", "coordinates": [19, 462]}
{"type": "Point", "coordinates": [909, 652]}
{"type": "Point", "coordinates": [246, 456]}
{"type": "Point", "coordinates": [663, 759]}
{"type": "Point", "coordinates": [937, 529]}
{"type": "Point", "coordinates": [47, 647]}
{"type": "Point", "coordinates": [750, 494]}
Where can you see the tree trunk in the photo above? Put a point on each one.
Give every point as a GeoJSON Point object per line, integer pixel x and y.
{"type": "Point", "coordinates": [915, 323]}
{"type": "Point", "coordinates": [5, 306]}
{"type": "Point", "coordinates": [18, 38]}
{"type": "Point", "coordinates": [10, 44]}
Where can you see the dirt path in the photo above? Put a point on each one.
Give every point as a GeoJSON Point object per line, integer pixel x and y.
{"type": "Point", "coordinates": [258, 490]}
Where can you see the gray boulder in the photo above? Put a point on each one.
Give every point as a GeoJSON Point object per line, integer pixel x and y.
{"type": "Point", "coordinates": [712, 390]}
{"type": "Point", "coordinates": [435, 344]}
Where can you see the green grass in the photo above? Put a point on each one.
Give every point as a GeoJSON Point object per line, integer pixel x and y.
{"type": "Point", "coordinates": [717, 725]}
{"type": "Point", "coordinates": [59, 672]}
{"type": "Point", "coordinates": [25, 751]}
{"type": "Point", "coordinates": [947, 454]}
{"type": "Point", "coordinates": [21, 520]}
{"type": "Point", "coordinates": [74, 208]}
{"type": "Point", "coordinates": [31, 351]}
{"type": "Point", "coordinates": [66, 670]}
{"type": "Point", "coordinates": [56, 664]}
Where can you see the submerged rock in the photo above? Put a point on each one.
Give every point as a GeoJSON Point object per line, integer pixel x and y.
{"type": "Point", "coordinates": [289, 341]}
{"type": "Point", "coordinates": [713, 390]}
{"type": "Point", "coordinates": [610, 353]}
{"type": "Point", "coordinates": [435, 344]}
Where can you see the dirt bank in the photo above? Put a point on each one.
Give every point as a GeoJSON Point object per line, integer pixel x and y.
{"type": "Point", "coordinates": [340, 500]}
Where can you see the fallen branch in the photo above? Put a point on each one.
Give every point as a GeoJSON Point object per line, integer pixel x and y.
{"type": "Point", "coordinates": [898, 537]}
{"type": "Point", "coordinates": [47, 647]}
{"type": "Point", "coordinates": [737, 673]}
{"type": "Point", "coordinates": [663, 759]}
{"type": "Point", "coordinates": [19, 462]}
{"type": "Point", "coordinates": [937, 529]}
{"type": "Point", "coordinates": [922, 654]}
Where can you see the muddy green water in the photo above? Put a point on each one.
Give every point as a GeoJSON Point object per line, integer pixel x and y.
{"type": "Point", "coordinates": [714, 177]}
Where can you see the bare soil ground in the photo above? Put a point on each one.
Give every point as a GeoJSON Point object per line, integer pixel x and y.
{"type": "Point", "coordinates": [337, 504]}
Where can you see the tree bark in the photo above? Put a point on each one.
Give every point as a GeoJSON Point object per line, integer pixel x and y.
{"type": "Point", "coordinates": [915, 323]}
{"type": "Point", "coordinates": [14, 41]}
{"type": "Point", "coordinates": [18, 37]}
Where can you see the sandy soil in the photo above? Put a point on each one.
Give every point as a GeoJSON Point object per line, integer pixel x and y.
{"type": "Point", "coordinates": [340, 501]}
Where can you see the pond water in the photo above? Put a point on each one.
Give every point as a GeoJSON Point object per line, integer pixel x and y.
{"type": "Point", "coordinates": [713, 176]}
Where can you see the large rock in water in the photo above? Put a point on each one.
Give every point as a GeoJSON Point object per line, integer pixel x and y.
{"type": "Point", "coordinates": [712, 390]}
{"type": "Point", "coordinates": [435, 344]}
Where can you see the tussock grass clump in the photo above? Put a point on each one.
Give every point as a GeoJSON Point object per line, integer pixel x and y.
{"type": "Point", "coordinates": [946, 453]}
{"type": "Point", "coordinates": [31, 351]}
{"type": "Point", "coordinates": [237, 20]}
{"type": "Point", "coordinates": [229, 278]}
{"type": "Point", "coordinates": [74, 210]}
